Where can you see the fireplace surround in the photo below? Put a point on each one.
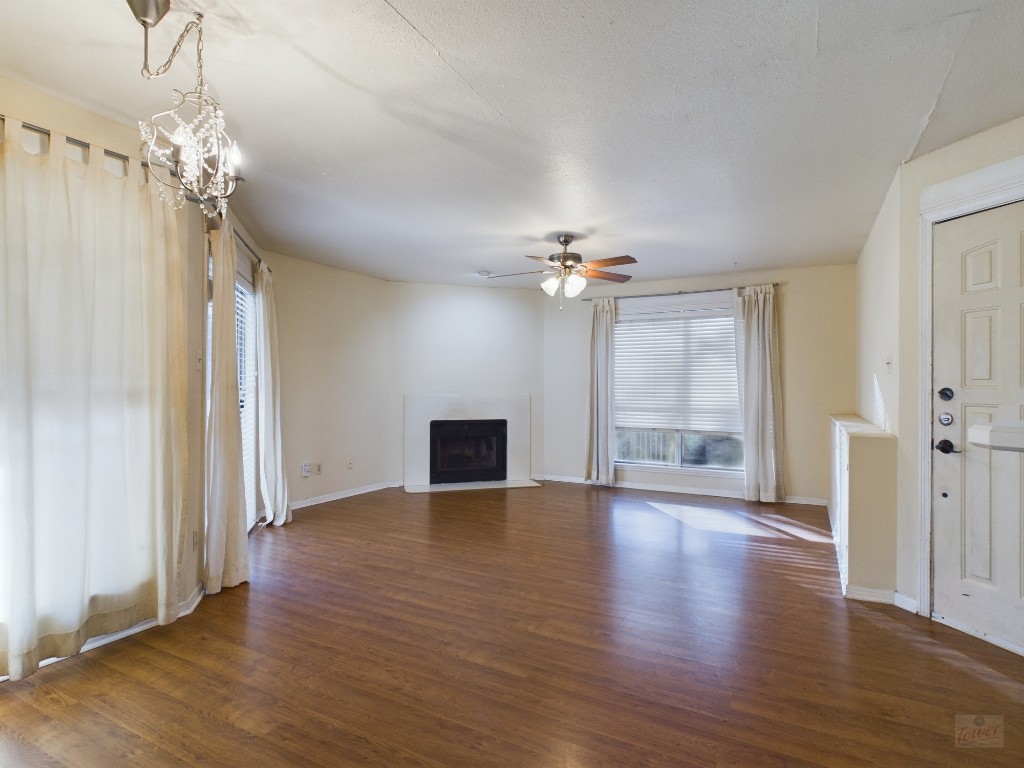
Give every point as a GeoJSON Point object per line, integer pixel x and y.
{"type": "Point", "coordinates": [420, 410]}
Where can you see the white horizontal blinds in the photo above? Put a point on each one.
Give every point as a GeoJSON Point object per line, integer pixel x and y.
{"type": "Point", "coordinates": [675, 364]}
{"type": "Point", "coordinates": [245, 336]}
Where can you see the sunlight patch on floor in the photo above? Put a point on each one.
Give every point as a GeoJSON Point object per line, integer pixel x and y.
{"type": "Point", "coordinates": [800, 530]}
{"type": "Point", "coordinates": [722, 521]}
{"type": "Point", "coordinates": [716, 520]}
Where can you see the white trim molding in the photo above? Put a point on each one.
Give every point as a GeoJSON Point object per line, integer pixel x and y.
{"type": "Point", "coordinates": [905, 602]}
{"type": "Point", "coordinates": [1006, 645]}
{"type": "Point", "coordinates": [721, 493]}
{"type": "Point", "coordinates": [189, 604]}
{"type": "Point", "coordinates": [680, 489]}
{"type": "Point", "coordinates": [341, 495]}
{"type": "Point", "coordinates": [561, 479]}
{"type": "Point", "coordinates": [807, 500]}
{"type": "Point", "coordinates": [185, 607]}
{"type": "Point", "coordinates": [868, 594]}
{"type": "Point", "coordinates": [974, 192]}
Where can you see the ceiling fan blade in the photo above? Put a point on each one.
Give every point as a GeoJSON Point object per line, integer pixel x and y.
{"type": "Point", "coordinates": [612, 262]}
{"type": "Point", "coordinates": [615, 277]}
{"type": "Point", "coordinates": [531, 272]}
{"type": "Point", "coordinates": [542, 259]}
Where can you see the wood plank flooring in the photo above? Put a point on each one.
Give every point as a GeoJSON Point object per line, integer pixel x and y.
{"type": "Point", "coordinates": [564, 626]}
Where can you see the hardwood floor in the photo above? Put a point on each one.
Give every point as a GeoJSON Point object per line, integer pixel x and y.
{"type": "Point", "coordinates": [565, 626]}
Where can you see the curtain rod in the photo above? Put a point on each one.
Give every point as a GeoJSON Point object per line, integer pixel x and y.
{"type": "Point", "coordinates": [676, 293]}
{"type": "Point", "coordinates": [253, 256]}
{"type": "Point", "coordinates": [71, 140]}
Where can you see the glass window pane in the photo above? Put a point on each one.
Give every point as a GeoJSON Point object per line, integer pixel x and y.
{"type": "Point", "coordinates": [646, 447]}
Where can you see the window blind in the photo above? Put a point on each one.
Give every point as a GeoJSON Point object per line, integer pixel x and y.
{"type": "Point", "coordinates": [675, 367]}
{"type": "Point", "coordinates": [245, 337]}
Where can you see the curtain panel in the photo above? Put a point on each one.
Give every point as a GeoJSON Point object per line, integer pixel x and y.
{"type": "Point", "coordinates": [227, 530]}
{"type": "Point", "coordinates": [273, 481]}
{"type": "Point", "coordinates": [601, 401]}
{"type": "Point", "coordinates": [757, 351]}
{"type": "Point", "coordinates": [92, 401]}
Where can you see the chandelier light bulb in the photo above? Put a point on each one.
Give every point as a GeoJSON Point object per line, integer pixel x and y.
{"type": "Point", "coordinates": [234, 158]}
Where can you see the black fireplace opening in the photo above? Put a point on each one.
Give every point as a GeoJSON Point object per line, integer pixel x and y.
{"type": "Point", "coordinates": [468, 451]}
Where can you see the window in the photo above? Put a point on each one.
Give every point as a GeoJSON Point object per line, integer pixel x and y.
{"type": "Point", "coordinates": [245, 340]}
{"type": "Point", "coordinates": [245, 337]}
{"type": "Point", "coordinates": [676, 384]}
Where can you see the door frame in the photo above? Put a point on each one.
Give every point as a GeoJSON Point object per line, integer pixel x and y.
{"type": "Point", "coordinates": [974, 192]}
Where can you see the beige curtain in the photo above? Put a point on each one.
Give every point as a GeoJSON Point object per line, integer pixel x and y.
{"type": "Point", "coordinates": [273, 481]}
{"type": "Point", "coordinates": [601, 405]}
{"type": "Point", "coordinates": [757, 350]}
{"type": "Point", "coordinates": [227, 555]}
{"type": "Point", "coordinates": [92, 401]}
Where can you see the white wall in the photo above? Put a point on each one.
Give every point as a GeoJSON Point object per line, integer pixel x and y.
{"type": "Point", "coordinates": [333, 334]}
{"type": "Point", "coordinates": [817, 346]}
{"type": "Point", "coordinates": [449, 340]}
{"type": "Point", "coordinates": [884, 314]}
{"type": "Point", "coordinates": [353, 347]}
{"type": "Point", "coordinates": [878, 315]}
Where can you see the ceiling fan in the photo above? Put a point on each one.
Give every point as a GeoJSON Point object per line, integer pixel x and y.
{"type": "Point", "coordinates": [569, 272]}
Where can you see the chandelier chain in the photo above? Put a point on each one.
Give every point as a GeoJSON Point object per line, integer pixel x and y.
{"type": "Point", "coordinates": [163, 68]}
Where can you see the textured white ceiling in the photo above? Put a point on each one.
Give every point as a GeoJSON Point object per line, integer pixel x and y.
{"type": "Point", "coordinates": [424, 140]}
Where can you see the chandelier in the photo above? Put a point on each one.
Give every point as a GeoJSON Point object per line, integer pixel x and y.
{"type": "Point", "coordinates": [186, 147]}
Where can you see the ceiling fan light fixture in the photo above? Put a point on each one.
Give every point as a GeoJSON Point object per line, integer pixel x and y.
{"type": "Point", "coordinates": [574, 284]}
{"type": "Point", "coordinates": [550, 285]}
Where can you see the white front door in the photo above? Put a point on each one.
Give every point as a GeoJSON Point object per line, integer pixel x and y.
{"type": "Point", "coordinates": [978, 377]}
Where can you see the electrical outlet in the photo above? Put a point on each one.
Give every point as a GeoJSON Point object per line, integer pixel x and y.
{"type": "Point", "coordinates": [350, 463]}
{"type": "Point", "coordinates": [318, 468]}
{"type": "Point", "coordinates": [307, 468]}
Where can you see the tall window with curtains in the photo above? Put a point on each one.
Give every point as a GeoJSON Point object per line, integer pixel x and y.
{"type": "Point", "coordinates": [92, 401]}
{"type": "Point", "coordinates": [245, 340]}
{"type": "Point", "coordinates": [676, 385]}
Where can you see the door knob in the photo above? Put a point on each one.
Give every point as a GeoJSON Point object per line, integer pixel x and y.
{"type": "Point", "coordinates": [945, 446]}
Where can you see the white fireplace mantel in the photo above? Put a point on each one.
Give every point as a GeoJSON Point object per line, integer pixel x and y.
{"type": "Point", "coordinates": [420, 410]}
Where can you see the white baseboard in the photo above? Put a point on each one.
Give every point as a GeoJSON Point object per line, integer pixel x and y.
{"type": "Point", "coordinates": [479, 486]}
{"type": "Point", "coordinates": [721, 493]}
{"type": "Point", "coordinates": [906, 603]}
{"type": "Point", "coordinates": [806, 500]}
{"type": "Point", "coordinates": [186, 606]}
{"type": "Point", "coordinates": [561, 479]}
{"type": "Point", "coordinates": [1006, 645]}
{"type": "Point", "coordinates": [299, 504]}
{"type": "Point", "coordinates": [684, 489]}
{"type": "Point", "coordinates": [868, 594]}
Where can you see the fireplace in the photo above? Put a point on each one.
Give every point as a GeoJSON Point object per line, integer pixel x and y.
{"type": "Point", "coordinates": [468, 451]}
